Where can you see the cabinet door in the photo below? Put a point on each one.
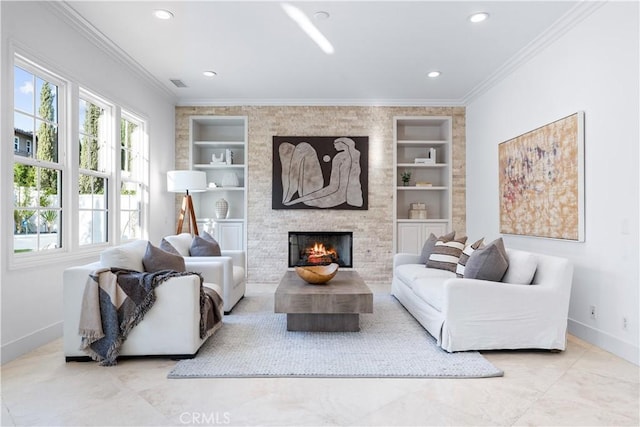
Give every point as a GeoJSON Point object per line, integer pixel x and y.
{"type": "Point", "coordinates": [410, 238]}
{"type": "Point", "coordinates": [438, 229]}
{"type": "Point", "coordinates": [229, 235]}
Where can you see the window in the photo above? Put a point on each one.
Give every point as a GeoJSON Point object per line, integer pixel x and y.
{"type": "Point", "coordinates": [134, 166]}
{"type": "Point", "coordinates": [94, 170]}
{"type": "Point", "coordinates": [78, 187]}
{"type": "Point", "coordinates": [37, 172]}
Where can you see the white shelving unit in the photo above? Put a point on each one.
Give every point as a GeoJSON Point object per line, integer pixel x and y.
{"type": "Point", "coordinates": [414, 136]}
{"type": "Point", "coordinates": [219, 136]}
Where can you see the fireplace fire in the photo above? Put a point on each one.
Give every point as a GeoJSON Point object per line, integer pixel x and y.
{"type": "Point", "coordinates": [320, 248]}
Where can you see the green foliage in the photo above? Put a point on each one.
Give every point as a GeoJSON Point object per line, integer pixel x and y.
{"type": "Point", "coordinates": [126, 131]}
{"type": "Point", "coordinates": [406, 176]}
{"type": "Point", "coordinates": [49, 218]}
{"type": "Point", "coordinates": [46, 139]}
{"type": "Point", "coordinates": [90, 150]}
{"type": "Point", "coordinates": [24, 175]}
{"type": "Point", "coordinates": [21, 217]}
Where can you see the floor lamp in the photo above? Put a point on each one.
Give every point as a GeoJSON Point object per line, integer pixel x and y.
{"type": "Point", "coordinates": [183, 182]}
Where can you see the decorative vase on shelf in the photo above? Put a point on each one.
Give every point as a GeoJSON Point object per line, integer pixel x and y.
{"type": "Point", "coordinates": [222, 209]}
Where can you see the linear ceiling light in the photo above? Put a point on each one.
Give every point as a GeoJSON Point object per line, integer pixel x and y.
{"type": "Point", "coordinates": [307, 26]}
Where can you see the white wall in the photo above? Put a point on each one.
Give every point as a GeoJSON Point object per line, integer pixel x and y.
{"type": "Point", "coordinates": [32, 297]}
{"type": "Point", "coordinates": [592, 68]}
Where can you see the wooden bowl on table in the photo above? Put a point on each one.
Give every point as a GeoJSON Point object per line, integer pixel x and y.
{"type": "Point", "coordinates": [317, 274]}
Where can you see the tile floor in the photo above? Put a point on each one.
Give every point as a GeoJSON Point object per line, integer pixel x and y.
{"type": "Point", "coordinates": [582, 386]}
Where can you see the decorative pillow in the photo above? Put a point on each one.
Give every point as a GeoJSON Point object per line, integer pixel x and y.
{"type": "Point", "coordinates": [429, 244]}
{"type": "Point", "coordinates": [128, 255]}
{"type": "Point", "coordinates": [181, 242]}
{"type": "Point", "coordinates": [168, 247]}
{"type": "Point", "coordinates": [462, 262]}
{"type": "Point", "coordinates": [155, 259]}
{"type": "Point", "coordinates": [488, 263]}
{"type": "Point", "coordinates": [522, 268]}
{"type": "Point", "coordinates": [208, 237]}
{"type": "Point", "coordinates": [445, 255]}
{"type": "Point", "coordinates": [204, 247]}
{"type": "Point", "coordinates": [427, 248]}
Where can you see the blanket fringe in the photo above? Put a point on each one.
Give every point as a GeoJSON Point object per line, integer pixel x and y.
{"type": "Point", "coordinates": [90, 334]}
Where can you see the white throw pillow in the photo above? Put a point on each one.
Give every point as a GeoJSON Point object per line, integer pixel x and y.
{"type": "Point", "coordinates": [128, 255]}
{"type": "Point", "coordinates": [522, 268]}
{"type": "Point", "coordinates": [181, 242]}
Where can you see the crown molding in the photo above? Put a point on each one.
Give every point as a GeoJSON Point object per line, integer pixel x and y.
{"type": "Point", "coordinates": [566, 22]}
{"type": "Point", "coordinates": [102, 42]}
{"type": "Point", "coordinates": [200, 102]}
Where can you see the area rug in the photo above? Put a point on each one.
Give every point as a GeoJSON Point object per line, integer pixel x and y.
{"type": "Point", "coordinates": [254, 342]}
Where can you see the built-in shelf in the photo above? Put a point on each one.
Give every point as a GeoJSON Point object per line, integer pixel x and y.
{"type": "Point", "coordinates": [217, 166]}
{"type": "Point", "coordinates": [424, 188]}
{"type": "Point", "coordinates": [421, 142]}
{"type": "Point", "coordinates": [222, 137]}
{"type": "Point", "coordinates": [422, 165]}
{"type": "Point", "coordinates": [421, 137]}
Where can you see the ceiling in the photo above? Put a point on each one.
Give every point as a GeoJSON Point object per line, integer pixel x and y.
{"type": "Point", "coordinates": [383, 49]}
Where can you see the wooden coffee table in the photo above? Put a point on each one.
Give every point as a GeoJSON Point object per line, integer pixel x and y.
{"type": "Point", "coordinates": [332, 307]}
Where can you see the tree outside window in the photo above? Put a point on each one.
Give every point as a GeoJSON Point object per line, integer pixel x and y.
{"type": "Point", "coordinates": [93, 178]}
{"type": "Point", "coordinates": [37, 182]}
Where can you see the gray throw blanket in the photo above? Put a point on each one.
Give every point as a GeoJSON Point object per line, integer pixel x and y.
{"type": "Point", "coordinates": [115, 300]}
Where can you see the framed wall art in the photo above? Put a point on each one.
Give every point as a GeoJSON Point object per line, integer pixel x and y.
{"type": "Point", "coordinates": [320, 172]}
{"type": "Point", "coordinates": [541, 179]}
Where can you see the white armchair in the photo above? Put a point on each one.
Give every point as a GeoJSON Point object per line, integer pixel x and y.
{"type": "Point", "coordinates": [170, 328]}
{"type": "Point", "coordinates": [227, 270]}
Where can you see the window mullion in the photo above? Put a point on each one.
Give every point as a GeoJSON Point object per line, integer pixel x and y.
{"type": "Point", "coordinates": [72, 159]}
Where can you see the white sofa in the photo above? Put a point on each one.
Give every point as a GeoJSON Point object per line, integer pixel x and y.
{"type": "Point", "coordinates": [170, 328]}
{"type": "Point", "coordinates": [227, 270]}
{"type": "Point", "coordinates": [469, 314]}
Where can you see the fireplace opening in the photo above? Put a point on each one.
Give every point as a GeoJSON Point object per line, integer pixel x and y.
{"type": "Point", "coordinates": [320, 248]}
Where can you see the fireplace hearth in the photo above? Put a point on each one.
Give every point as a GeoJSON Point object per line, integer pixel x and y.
{"type": "Point", "coordinates": [320, 248]}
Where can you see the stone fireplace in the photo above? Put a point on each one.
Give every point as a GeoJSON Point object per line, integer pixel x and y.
{"type": "Point", "coordinates": [320, 248]}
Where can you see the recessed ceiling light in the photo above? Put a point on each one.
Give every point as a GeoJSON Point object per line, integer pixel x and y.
{"type": "Point", "coordinates": [321, 15]}
{"type": "Point", "coordinates": [479, 17]}
{"type": "Point", "coordinates": [210, 73]}
{"type": "Point", "coordinates": [433, 74]}
{"type": "Point", "coordinates": [162, 14]}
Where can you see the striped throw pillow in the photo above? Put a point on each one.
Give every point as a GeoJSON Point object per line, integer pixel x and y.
{"type": "Point", "coordinates": [445, 255]}
{"type": "Point", "coordinates": [466, 253]}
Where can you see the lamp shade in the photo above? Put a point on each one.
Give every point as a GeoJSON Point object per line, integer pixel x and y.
{"type": "Point", "coordinates": [185, 181]}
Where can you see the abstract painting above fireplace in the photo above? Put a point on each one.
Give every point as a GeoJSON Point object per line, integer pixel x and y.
{"type": "Point", "coordinates": [320, 248]}
{"type": "Point", "coordinates": [320, 172]}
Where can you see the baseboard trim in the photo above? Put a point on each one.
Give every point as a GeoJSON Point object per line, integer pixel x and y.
{"type": "Point", "coordinates": [24, 345]}
{"type": "Point", "coordinates": [605, 341]}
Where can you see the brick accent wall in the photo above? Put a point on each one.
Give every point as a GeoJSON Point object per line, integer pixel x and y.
{"type": "Point", "coordinates": [372, 229]}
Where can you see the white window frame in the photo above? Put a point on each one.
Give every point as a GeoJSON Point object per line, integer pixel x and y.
{"type": "Point", "coordinates": [68, 160]}
{"type": "Point", "coordinates": [141, 179]}
{"type": "Point", "coordinates": [108, 161]}
{"type": "Point", "coordinates": [61, 165]}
